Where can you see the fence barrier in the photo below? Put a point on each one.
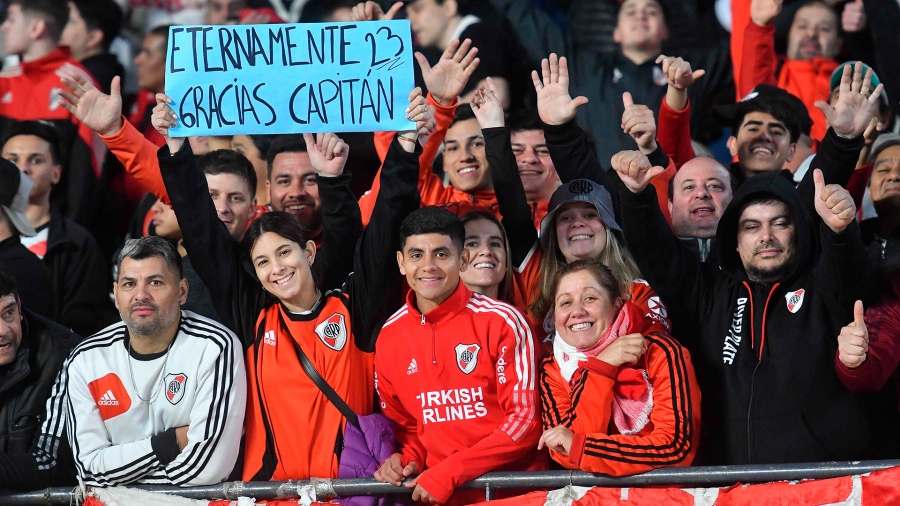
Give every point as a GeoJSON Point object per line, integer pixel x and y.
{"type": "Point", "coordinates": [698, 476]}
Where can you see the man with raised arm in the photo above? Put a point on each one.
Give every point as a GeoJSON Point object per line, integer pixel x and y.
{"type": "Point", "coordinates": [765, 316]}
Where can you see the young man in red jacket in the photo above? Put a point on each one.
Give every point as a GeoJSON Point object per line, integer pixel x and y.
{"type": "Point", "coordinates": [455, 370]}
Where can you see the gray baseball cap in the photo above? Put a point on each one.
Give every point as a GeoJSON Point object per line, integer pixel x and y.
{"type": "Point", "coordinates": [883, 142]}
{"type": "Point", "coordinates": [579, 190]}
{"type": "Point", "coordinates": [14, 190]}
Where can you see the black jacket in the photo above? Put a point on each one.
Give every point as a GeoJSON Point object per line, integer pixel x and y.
{"type": "Point", "coordinates": [31, 274]}
{"type": "Point", "coordinates": [79, 275]}
{"type": "Point", "coordinates": [764, 354]}
{"type": "Point", "coordinates": [884, 252]}
{"type": "Point", "coordinates": [24, 389]}
{"type": "Point", "coordinates": [237, 295]}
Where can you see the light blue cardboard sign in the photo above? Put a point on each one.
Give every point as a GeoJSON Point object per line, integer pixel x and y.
{"type": "Point", "coordinates": [290, 78]}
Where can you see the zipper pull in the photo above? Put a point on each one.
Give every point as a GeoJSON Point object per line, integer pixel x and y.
{"type": "Point", "coordinates": [423, 320]}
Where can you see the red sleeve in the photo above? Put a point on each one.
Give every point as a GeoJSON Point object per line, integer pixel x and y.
{"type": "Point", "coordinates": [431, 188]}
{"type": "Point", "coordinates": [740, 17]}
{"type": "Point", "coordinates": [661, 183]}
{"type": "Point", "coordinates": [138, 156]}
{"type": "Point", "coordinates": [883, 324]}
{"type": "Point", "coordinates": [560, 403]}
{"type": "Point", "coordinates": [858, 182]}
{"type": "Point", "coordinates": [409, 446]}
{"type": "Point", "coordinates": [651, 306]}
{"type": "Point", "coordinates": [520, 430]}
{"type": "Point", "coordinates": [671, 436]}
{"type": "Point", "coordinates": [759, 59]}
{"type": "Point", "coordinates": [674, 133]}
{"type": "Point", "coordinates": [429, 184]}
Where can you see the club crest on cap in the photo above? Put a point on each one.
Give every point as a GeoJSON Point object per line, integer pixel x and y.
{"type": "Point", "coordinates": [581, 186]}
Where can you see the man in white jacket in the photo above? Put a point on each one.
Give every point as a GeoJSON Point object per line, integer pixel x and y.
{"type": "Point", "coordinates": [159, 397]}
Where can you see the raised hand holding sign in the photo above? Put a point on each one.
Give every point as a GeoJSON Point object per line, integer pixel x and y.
{"type": "Point", "coordinates": [270, 79]}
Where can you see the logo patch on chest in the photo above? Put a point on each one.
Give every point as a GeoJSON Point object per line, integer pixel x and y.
{"type": "Point", "coordinates": [333, 332]}
{"type": "Point", "coordinates": [175, 387]}
{"type": "Point", "coordinates": [794, 300]}
{"type": "Point", "coordinates": [467, 357]}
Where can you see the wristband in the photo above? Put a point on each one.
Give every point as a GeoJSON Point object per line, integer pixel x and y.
{"type": "Point", "coordinates": [407, 139]}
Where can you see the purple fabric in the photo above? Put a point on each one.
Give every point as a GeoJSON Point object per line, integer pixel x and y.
{"type": "Point", "coordinates": [363, 452]}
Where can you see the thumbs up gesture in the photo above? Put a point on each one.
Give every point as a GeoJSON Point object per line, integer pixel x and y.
{"type": "Point", "coordinates": [853, 19]}
{"type": "Point", "coordinates": [639, 123]}
{"type": "Point", "coordinates": [634, 169]}
{"type": "Point", "coordinates": [853, 341]}
{"type": "Point", "coordinates": [833, 203]}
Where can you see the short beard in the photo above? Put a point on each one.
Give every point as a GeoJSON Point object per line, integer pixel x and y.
{"type": "Point", "coordinates": [771, 275]}
{"type": "Point", "coordinates": [150, 328]}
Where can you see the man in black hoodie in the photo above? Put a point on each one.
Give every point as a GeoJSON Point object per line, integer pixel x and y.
{"type": "Point", "coordinates": [761, 324]}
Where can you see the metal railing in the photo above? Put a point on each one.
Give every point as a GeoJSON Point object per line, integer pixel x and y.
{"type": "Point", "coordinates": [699, 476]}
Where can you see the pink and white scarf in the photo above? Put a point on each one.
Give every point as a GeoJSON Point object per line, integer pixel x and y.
{"type": "Point", "coordinates": [632, 391]}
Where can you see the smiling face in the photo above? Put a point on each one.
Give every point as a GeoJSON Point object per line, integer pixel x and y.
{"type": "Point", "coordinates": [766, 241]}
{"type": "Point", "coordinates": [234, 204]}
{"type": "Point", "coordinates": [884, 185]}
{"type": "Point", "coordinates": [432, 265]}
{"type": "Point", "coordinates": [10, 328]}
{"type": "Point", "coordinates": [701, 190]}
{"type": "Point", "coordinates": [283, 268]}
{"type": "Point", "coordinates": [486, 250]}
{"type": "Point", "coordinates": [583, 309]}
{"type": "Point", "coordinates": [641, 25]}
{"type": "Point", "coordinates": [536, 169]}
{"type": "Point", "coordinates": [293, 188]}
{"type": "Point", "coordinates": [813, 33]}
{"type": "Point", "coordinates": [580, 232]}
{"type": "Point", "coordinates": [149, 295]}
{"type": "Point", "coordinates": [762, 144]}
{"type": "Point", "coordinates": [464, 159]}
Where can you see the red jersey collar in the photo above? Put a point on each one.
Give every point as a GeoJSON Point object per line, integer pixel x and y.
{"type": "Point", "coordinates": [446, 310]}
{"type": "Point", "coordinates": [50, 62]}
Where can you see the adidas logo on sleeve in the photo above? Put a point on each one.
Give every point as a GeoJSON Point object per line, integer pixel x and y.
{"type": "Point", "coordinates": [110, 395]}
{"type": "Point", "coordinates": [108, 399]}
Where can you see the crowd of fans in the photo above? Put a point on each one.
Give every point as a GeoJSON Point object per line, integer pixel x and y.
{"type": "Point", "coordinates": [628, 235]}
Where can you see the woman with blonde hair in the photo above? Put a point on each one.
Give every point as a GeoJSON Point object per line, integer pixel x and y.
{"type": "Point", "coordinates": [581, 224]}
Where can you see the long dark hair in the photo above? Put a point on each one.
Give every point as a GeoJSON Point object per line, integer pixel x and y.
{"type": "Point", "coordinates": [283, 224]}
{"type": "Point", "coordinates": [505, 288]}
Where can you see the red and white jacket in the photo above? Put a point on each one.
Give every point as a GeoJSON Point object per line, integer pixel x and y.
{"type": "Point", "coordinates": [460, 382]}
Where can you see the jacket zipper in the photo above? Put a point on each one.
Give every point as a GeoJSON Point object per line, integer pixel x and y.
{"type": "Point", "coordinates": [433, 341]}
{"type": "Point", "coordinates": [749, 418]}
{"type": "Point", "coordinates": [762, 343]}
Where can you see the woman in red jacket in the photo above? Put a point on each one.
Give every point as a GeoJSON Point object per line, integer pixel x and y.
{"type": "Point", "coordinates": [616, 399]}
